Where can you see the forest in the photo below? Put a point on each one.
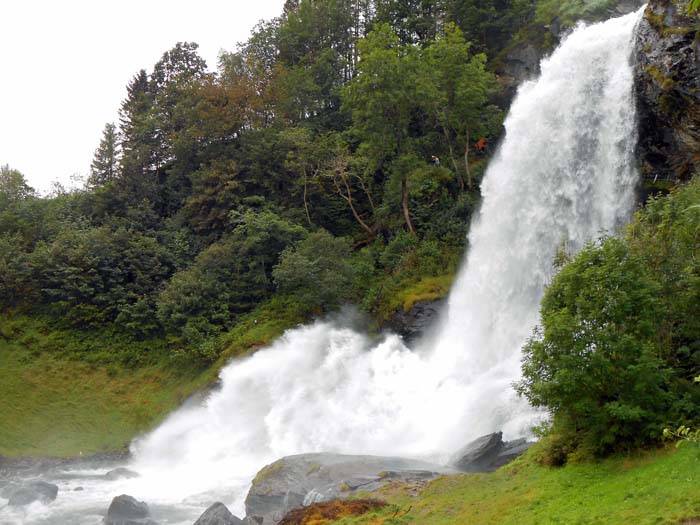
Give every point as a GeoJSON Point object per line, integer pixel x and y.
{"type": "Point", "coordinates": [341, 145]}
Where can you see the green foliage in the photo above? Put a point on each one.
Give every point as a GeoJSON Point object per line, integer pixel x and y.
{"type": "Point", "coordinates": [104, 164]}
{"type": "Point", "coordinates": [490, 24]}
{"type": "Point", "coordinates": [316, 272]}
{"type": "Point", "coordinates": [619, 342]}
{"type": "Point", "coordinates": [90, 276]}
{"type": "Point", "coordinates": [693, 6]}
{"type": "Point", "coordinates": [13, 187]}
{"type": "Point", "coordinates": [569, 11]}
{"type": "Point", "coordinates": [228, 278]}
{"type": "Point", "coordinates": [684, 435]}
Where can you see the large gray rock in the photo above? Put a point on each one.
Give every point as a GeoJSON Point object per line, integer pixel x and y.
{"type": "Point", "coordinates": [126, 510]}
{"type": "Point", "coordinates": [218, 514]}
{"type": "Point", "coordinates": [27, 492]}
{"type": "Point", "coordinates": [412, 324]}
{"type": "Point", "coordinates": [488, 453]}
{"type": "Point", "coordinates": [296, 481]}
{"type": "Point", "coordinates": [667, 87]}
{"type": "Point", "coordinates": [120, 473]}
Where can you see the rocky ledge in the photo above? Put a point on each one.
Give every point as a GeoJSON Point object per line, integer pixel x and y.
{"type": "Point", "coordinates": [667, 85]}
{"type": "Point", "coordinates": [305, 479]}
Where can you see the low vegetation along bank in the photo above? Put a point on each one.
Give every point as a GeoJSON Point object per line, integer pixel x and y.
{"type": "Point", "coordinates": [657, 487]}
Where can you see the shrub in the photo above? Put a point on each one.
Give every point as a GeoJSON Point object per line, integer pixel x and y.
{"type": "Point", "coordinates": [317, 271]}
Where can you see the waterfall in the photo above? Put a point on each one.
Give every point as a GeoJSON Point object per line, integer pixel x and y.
{"type": "Point", "coordinates": [563, 175]}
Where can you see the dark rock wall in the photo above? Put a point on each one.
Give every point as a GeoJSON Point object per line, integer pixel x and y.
{"type": "Point", "coordinates": [667, 84]}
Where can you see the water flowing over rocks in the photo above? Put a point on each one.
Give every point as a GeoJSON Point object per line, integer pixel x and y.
{"type": "Point", "coordinates": [121, 473]}
{"type": "Point", "coordinates": [667, 86]}
{"type": "Point", "coordinates": [27, 492]}
{"type": "Point", "coordinates": [522, 61]}
{"type": "Point", "coordinates": [301, 480]}
{"type": "Point", "coordinates": [34, 466]}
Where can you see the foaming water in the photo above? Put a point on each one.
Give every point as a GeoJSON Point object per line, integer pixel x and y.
{"type": "Point", "coordinates": [564, 174]}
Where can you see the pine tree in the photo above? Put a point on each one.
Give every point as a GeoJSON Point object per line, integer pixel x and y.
{"type": "Point", "coordinates": [139, 159]}
{"type": "Point", "coordinates": [104, 164]}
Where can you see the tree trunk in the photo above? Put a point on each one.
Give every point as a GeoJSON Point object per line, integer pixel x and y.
{"type": "Point", "coordinates": [306, 204]}
{"type": "Point", "coordinates": [460, 179]}
{"type": "Point", "coordinates": [347, 196]}
{"type": "Point", "coordinates": [404, 205]}
{"type": "Point", "coordinates": [466, 164]}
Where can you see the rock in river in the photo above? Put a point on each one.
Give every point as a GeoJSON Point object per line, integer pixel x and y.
{"type": "Point", "coordinates": [126, 510]}
{"type": "Point", "coordinates": [28, 492]}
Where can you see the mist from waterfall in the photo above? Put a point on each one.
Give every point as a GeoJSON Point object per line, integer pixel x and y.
{"type": "Point", "coordinates": [563, 175]}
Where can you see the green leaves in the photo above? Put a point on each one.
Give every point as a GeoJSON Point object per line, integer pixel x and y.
{"type": "Point", "coordinates": [620, 340]}
{"type": "Point", "coordinates": [317, 272]}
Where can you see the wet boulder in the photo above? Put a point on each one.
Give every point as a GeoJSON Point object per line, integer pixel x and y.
{"type": "Point", "coordinates": [218, 514]}
{"type": "Point", "coordinates": [121, 473]}
{"type": "Point", "coordinates": [412, 324]}
{"type": "Point", "coordinates": [126, 510]}
{"type": "Point", "coordinates": [488, 453]}
{"type": "Point", "coordinates": [24, 493]}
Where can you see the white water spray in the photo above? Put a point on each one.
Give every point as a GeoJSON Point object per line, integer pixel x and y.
{"type": "Point", "coordinates": [564, 174]}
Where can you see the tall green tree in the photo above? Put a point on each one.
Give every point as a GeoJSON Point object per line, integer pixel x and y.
{"type": "Point", "coordinates": [455, 88]}
{"type": "Point", "coordinates": [382, 99]}
{"type": "Point", "coordinates": [174, 83]}
{"type": "Point", "coordinates": [103, 169]}
{"type": "Point", "coordinates": [138, 141]}
{"type": "Point", "coordinates": [13, 187]}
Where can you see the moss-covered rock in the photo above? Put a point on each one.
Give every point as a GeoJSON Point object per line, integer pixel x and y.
{"type": "Point", "coordinates": [667, 84]}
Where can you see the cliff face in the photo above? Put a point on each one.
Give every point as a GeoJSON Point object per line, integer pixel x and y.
{"type": "Point", "coordinates": [667, 83]}
{"type": "Point", "coordinates": [521, 60]}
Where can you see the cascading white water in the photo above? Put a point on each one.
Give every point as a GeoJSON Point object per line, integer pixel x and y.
{"type": "Point", "coordinates": [564, 174]}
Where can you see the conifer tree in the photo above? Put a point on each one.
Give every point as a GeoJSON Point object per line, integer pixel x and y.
{"type": "Point", "coordinates": [104, 164]}
{"type": "Point", "coordinates": [138, 161]}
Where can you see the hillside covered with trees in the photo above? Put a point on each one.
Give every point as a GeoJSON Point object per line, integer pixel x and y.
{"type": "Point", "coordinates": [335, 157]}
{"type": "Point", "coordinates": [342, 144]}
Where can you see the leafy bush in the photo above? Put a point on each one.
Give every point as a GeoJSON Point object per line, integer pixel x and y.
{"type": "Point", "coordinates": [317, 271]}
{"type": "Point", "coordinates": [619, 344]}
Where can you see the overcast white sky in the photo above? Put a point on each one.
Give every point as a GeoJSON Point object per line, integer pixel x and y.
{"type": "Point", "coordinates": [66, 64]}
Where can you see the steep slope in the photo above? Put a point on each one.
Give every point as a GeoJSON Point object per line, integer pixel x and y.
{"type": "Point", "coordinates": [667, 84]}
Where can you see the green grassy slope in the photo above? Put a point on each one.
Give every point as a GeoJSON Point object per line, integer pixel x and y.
{"type": "Point", "coordinates": [53, 404]}
{"type": "Point", "coordinates": [66, 392]}
{"type": "Point", "coordinates": [659, 487]}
